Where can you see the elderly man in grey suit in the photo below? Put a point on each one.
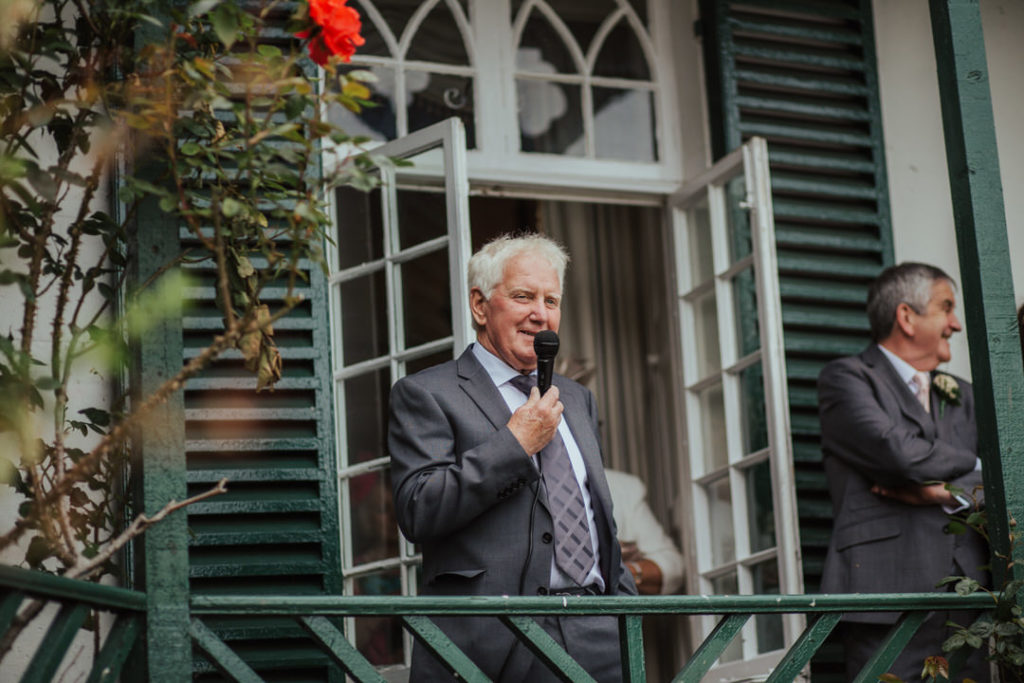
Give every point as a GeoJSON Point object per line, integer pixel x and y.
{"type": "Point", "coordinates": [502, 487]}
{"type": "Point", "coordinates": [894, 431]}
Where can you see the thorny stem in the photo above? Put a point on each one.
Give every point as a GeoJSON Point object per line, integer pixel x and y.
{"type": "Point", "coordinates": [84, 569]}
{"type": "Point", "coordinates": [88, 464]}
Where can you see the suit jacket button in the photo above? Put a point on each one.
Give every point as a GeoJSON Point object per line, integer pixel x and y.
{"type": "Point", "coordinates": [546, 537]}
{"type": "Point", "coordinates": [542, 591]}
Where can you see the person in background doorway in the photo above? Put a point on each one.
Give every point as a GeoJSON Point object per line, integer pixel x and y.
{"type": "Point", "coordinates": [649, 553]}
{"type": "Point", "coordinates": [892, 426]}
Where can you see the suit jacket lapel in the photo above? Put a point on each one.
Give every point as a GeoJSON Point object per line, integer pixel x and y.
{"type": "Point", "coordinates": [909, 405]}
{"type": "Point", "coordinates": [475, 381]}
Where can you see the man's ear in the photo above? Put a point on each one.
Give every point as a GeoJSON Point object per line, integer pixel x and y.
{"type": "Point", "coordinates": [478, 306]}
{"type": "Point", "coordinates": [904, 320]}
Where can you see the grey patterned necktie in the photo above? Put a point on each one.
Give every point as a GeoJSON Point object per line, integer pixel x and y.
{"type": "Point", "coordinates": [574, 551]}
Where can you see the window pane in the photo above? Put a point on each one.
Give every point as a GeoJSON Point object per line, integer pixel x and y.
{"type": "Point", "coordinates": [379, 639]}
{"type": "Point", "coordinates": [768, 626]}
{"type": "Point", "coordinates": [364, 318]}
{"type": "Point", "coordinates": [426, 298]}
{"type": "Point", "coordinates": [436, 97]}
{"type": "Point", "coordinates": [705, 319]}
{"type": "Point", "coordinates": [542, 49]}
{"type": "Point", "coordinates": [744, 294]}
{"type": "Point", "coordinates": [374, 528]}
{"type": "Point", "coordinates": [712, 411]}
{"type": "Point", "coordinates": [753, 419]}
{"type": "Point", "coordinates": [723, 539]}
{"type": "Point", "coordinates": [698, 223]}
{"type": "Point", "coordinates": [422, 216]}
{"type": "Point", "coordinates": [376, 122]}
{"type": "Point", "coordinates": [360, 238]}
{"type": "Point", "coordinates": [621, 55]}
{"type": "Point", "coordinates": [427, 361]}
{"type": "Point", "coordinates": [737, 219]}
{"type": "Point", "coordinates": [550, 118]}
{"type": "Point", "coordinates": [438, 39]}
{"type": "Point", "coordinates": [728, 585]}
{"type": "Point", "coordinates": [366, 416]}
{"type": "Point", "coordinates": [760, 509]}
{"type": "Point", "coordinates": [616, 111]}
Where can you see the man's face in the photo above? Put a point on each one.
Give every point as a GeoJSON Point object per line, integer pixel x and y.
{"type": "Point", "coordinates": [527, 301]}
{"type": "Point", "coordinates": [934, 327]}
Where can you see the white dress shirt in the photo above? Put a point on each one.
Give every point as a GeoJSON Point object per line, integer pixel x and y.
{"type": "Point", "coordinates": [501, 374]}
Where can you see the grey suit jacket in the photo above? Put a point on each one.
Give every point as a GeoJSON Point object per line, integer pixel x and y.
{"type": "Point", "coordinates": [465, 492]}
{"type": "Point", "coordinates": [874, 431]}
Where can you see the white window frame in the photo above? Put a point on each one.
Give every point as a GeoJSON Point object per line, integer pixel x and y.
{"type": "Point", "coordinates": [489, 38]}
{"type": "Point", "coordinates": [444, 144]}
{"type": "Point", "coordinates": [751, 161]}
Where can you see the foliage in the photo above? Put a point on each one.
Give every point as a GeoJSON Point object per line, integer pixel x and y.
{"type": "Point", "coordinates": [1001, 630]}
{"type": "Point", "coordinates": [208, 114]}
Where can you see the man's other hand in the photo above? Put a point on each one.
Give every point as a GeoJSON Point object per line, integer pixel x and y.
{"type": "Point", "coordinates": [918, 494]}
{"type": "Point", "coordinates": [535, 422]}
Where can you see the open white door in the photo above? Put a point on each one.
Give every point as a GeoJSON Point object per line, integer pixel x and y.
{"type": "Point", "coordinates": [398, 302]}
{"type": "Point", "coordinates": [740, 476]}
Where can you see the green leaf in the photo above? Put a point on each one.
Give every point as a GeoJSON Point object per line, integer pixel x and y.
{"type": "Point", "coordinates": [97, 416]}
{"type": "Point", "coordinates": [225, 24]}
{"type": "Point", "coordinates": [47, 383]}
{"type": "Point", "coordinates": [191, 149]}
{"type": "Point", "coordinates": [967, 586]}
{"type": "Point", "coordinates": [231, 207]}
{"type": "Point", "coordinates": [39, 551]}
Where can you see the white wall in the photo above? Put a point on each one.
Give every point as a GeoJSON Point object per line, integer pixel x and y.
{"type": "Point", "coordinates": [915, 151]}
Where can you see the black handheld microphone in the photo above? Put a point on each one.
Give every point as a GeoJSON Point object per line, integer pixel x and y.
{"type": "Point", "coordinates": [545, 345]}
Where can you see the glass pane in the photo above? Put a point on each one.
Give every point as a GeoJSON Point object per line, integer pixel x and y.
{"type": "Point", "coordinates": [728, 585]}
{"type": "Point", "coordinates": [723, 539]}
{"type": "Point", "coordinates": [583, 18]}
{"type": "Point", "coordinates": [438, 39]}
{"type": "Point", "coordinates": [712, 412]}
{"type": "Point", "coordinates": [698, 223]}
{"type": "Point", "coordinates": [737, 219]}
{"type": "Point", "coordinates": [753, 418]}
{"type": "Point", "coordinates": [618, 110]}
{"type": "Point", "coordinates": [760, 509]}
{"type": "Point", "coordinates": [426, 294]}
{"type": "Point", "coordinates": [379, 639]}
{"type": "Point", "coordinates": [705, 320]}
{"type": "Point", "coordinates": [436, 97]}
{"type": "Point", "coordinates": [744, 295]}
{"type": "Point", "coordinates": [427, 361]}
{"type": "Point", "coordinates": [396, 14]}
{"type": "Point", "coordinates": [374, 528]}
{"type": "Point", "coordinates": [360, 235]}
{"type": "Point", "coordinates": [372, 33]}
{"type": "Point", "coordinates": [640, 7]}
{"type": "Point", "coordinates": [621, 55]}
{"type": "Point", "coordinates": [376, 122]}
{"type": "Point", "coordinates": [366, 416]}
{"type": "Point", "coordinates": [767, 626]}
{"type": "Point", "coordinates": [364, 318]}
{"type": "Point", "coordinates": [542, 49]}
{"type": "Point", "coordinates": [422, 216]}
{"type": "Point", "coordinates": [550, 117]}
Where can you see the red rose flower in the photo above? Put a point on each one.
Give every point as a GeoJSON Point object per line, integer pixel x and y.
{"type": "Point", "coordinates": [335, 30]}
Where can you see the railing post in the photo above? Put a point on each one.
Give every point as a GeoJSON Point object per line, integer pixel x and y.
{"type": "Point", "coordinates": [980, 219]}
{"type": "Point", "coordinates": [158, 465]}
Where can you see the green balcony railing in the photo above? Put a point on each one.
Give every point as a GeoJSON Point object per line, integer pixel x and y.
{"type": "Point", "coordinates": [318, 617]}
{"type": "Point", "coordinates": [20, 588]}
{"type": "Point", "coordinates": [317, 614]}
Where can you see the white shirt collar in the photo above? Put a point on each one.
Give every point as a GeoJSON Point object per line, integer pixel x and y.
{"type": "Point", "coordinates": [498, 370]}
{"type": "Point", "coordinates": [905, 370]}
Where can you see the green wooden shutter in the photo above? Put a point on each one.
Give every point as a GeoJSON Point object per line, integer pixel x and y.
{"type": "Point", "coordinates": [275, 531]}
{"type": "Point", "coordinates": [803, 75]}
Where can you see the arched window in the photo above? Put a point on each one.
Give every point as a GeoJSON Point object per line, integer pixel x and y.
{"type": "Point", "coordinates": [585, 80]}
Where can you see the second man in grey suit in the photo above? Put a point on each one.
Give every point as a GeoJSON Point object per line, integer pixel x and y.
{"type": "Point", "coordinates": [891, 427]}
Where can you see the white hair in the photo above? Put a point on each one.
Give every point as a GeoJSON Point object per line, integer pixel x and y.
{"type": "Point", "coordinates": [487, 266]}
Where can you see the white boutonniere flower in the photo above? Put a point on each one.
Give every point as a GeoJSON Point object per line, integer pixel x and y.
{"type": "Point", "coordinates": [948, 389]}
